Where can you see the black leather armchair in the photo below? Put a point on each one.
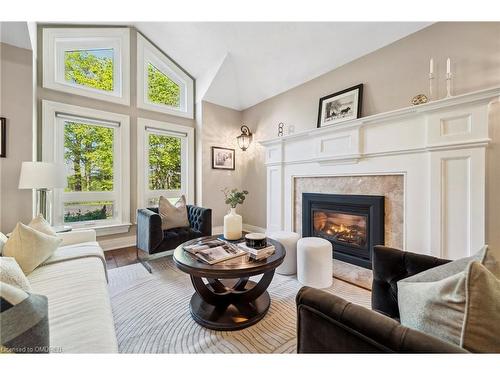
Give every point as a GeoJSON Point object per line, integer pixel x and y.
{"type": "Point", "coordinates": [152, 239]}
{"type": "Point", "coordinates": [329, 324]}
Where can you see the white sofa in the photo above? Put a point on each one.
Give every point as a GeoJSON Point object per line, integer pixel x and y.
{"type": "Point", "coordinates": [74, 279]}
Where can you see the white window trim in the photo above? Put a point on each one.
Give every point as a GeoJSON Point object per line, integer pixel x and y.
{"type": "Point", "coordinates": [187, 184]}
{"type": "Point", "coordinates": [87, 38]}
{"type": "Point", "coordinates": [148, 53]}
{"type": "Point", "coordinates": [51, 131]}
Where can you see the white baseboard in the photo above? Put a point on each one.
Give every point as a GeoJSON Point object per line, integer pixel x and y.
{"type": "Point", "coordinates": [117, 243]}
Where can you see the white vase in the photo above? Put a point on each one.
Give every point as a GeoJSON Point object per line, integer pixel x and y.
{"type": "Point", "coordinates": [233, 225]}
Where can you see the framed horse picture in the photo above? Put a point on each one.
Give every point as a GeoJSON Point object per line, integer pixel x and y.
{"type": "Point", "coordinates": [341, 106]}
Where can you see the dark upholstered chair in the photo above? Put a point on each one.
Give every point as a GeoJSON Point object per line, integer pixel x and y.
{"type": "Point", "coordinates": [152, 239]}
{"type": "Point", "coordinates": [329, 324]}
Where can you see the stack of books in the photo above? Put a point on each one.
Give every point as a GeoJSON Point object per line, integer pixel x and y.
{"type": "Point", "coordinates": [257, 254]}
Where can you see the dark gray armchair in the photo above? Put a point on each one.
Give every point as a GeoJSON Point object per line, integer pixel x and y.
{"type": "Point", "coordinates": [329, 324]}
{"type": "Point", "coordinates": [152, 239]}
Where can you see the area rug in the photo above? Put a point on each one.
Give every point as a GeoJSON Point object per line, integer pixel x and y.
{"type": "Point", "coordinates": [151, 313]}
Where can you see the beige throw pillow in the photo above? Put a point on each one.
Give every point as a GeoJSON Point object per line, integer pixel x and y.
{"type": "Point", "coordinates": [11, 273]}
{"type": "Point", "coordinates": [173, 216]}
{"type": "Point", "coordinates": [30, 247]}
{"type": "Point", "coordinates": [42, 225]}
{"type": "Point", "coordinates": [434, 301]}
{"type": "Point", "coordinates": [481, 329]}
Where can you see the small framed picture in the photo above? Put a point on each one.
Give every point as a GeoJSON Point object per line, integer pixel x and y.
{"type": "Point", "coordinates": [3, 137]}
{"type": "Point", "coordinates": [222, 158]}
{"type": "Point", "coordinates": [341, 106]}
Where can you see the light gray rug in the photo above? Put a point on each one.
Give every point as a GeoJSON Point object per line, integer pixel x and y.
{"type": "Point", "coordinates": [151, 313]}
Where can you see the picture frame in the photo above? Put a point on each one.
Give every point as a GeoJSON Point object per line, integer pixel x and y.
{"type": "Point", "coordinates": [223, 158]}
{"type": "Point", "coordinates": [340, 106]}
{"type": "Point", "coordinates": [3, 137]}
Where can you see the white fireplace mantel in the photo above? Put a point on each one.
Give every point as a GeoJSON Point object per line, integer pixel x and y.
{"type": "Point", "coordinates": [439, 148]}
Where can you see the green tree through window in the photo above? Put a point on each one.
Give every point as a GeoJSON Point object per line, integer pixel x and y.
{"type": "Point", "coordinates": [164, 162]}
{"type": "Point", "coordinates": [88, 152]}
{"type": "Point", "coordinates": [161, 89]}
{"type": "Point", "coordinates": [91, 68]}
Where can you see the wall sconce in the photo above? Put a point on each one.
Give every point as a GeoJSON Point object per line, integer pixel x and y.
{"type": "Point", "coordinates": [245, 138]}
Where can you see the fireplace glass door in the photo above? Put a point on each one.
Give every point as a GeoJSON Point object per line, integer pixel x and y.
{"type": "Point", "coordinates": [341, 228]}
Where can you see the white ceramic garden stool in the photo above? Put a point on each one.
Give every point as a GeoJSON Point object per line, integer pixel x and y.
{"type": "Point", "coordinates": [289, 242]}
{"type": "Point", "coordinates": [314, 262]}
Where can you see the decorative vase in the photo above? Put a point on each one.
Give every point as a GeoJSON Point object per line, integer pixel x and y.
{"type": "Point", "coordinates": [233, 225]}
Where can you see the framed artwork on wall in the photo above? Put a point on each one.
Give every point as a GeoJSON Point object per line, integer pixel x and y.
{"type": "Point", "coordinates": [340, 106]}
{"type": "Point", "coordinates": [223, 158]}
{"type": "Point", "coordinates": [3, 137]}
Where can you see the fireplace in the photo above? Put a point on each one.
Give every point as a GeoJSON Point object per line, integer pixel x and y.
{"type": "Point", "coordinates": [352, 223]}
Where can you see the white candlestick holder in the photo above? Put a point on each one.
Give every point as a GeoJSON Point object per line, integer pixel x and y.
{"type": "Point", "coordinates": [431, 86]}
{"type": "Point", "coordinates": [448, 85]}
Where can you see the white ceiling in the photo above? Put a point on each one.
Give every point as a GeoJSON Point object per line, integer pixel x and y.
{"type": "Point", "coordinates": [239, 64]}
{"type": "Point", "coordinates": [15, 34]}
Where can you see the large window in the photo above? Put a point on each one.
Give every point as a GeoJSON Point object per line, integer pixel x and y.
{"type": "Point", "coordinates": [165, 161]}
{"type": "Point", "coordinates": [161, 85]}
{"type": "Point", "coordinates": [88, 62]}
{"type": "Point", "coordinates": [94, 147]}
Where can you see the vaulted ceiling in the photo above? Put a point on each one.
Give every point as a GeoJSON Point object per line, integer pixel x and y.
{"type": "Point", "coordinates": [239, 64]}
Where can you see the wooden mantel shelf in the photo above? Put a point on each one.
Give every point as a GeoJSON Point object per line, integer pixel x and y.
{"type": "Point", "coordinates": [474, 97]}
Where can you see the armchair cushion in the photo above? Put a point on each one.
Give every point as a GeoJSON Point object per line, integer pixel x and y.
{"type": "Point", "coordinates": [329, 324]}
{"type": "Point", "coordinates": [152, 239]}
{"type": "Point", "coordinates": [391, 265]}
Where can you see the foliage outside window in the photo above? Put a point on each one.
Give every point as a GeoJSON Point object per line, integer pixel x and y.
{"type": "Point", "coordinates": [91, 68]}
{"type": "Point", "coordinates": [88, 154]}
{"type": "Point", "coordinates": [161, 89]}
{"type": "Point", "coordinates": [164, 162]}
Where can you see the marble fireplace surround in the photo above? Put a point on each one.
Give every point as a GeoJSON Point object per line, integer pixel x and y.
{"type": "Point", "coordinates": [429, 161]}
{"type": "Point", "coordinates": [389, 186]}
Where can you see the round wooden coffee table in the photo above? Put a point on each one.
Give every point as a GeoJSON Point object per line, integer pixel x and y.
{"type": "Point", "coordinates": [229, 301]}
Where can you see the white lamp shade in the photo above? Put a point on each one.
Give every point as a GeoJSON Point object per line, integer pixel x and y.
{"type": "Point", "coordinates": [41, 175]}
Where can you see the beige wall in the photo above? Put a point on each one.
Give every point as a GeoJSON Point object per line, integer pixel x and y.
{"type": "Point", "coordinates": [391, 77]}
{"type": "Point", "coordinates": [16, 105]}
{"type": "Point", "coordinates": [220, 127]}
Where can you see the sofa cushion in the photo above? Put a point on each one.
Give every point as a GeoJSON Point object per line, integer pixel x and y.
{"type": "Point", "coordinates": [80, 314]}
{"type": "Point", "coordinates": [173, 216]}
{"type": "Point", "coordinates": [434, 301]}
{"type": "Point", "coordinates": [481, 329]}
{"type": "Point", "coordinates": [30, 247]}
{"type": "Point", "coordinates": [3, 241]}
{"type": "Point", "coordinates": [41, 225]}
{"type": "Point", "coordinates": [24, 326]}
{"type": "Point", "coordinates": [12, 274]}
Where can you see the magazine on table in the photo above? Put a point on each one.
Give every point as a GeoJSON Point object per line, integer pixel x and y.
{"type": "Point", "coordinates": [203, 245]}
{"type": "Point", "coordinates": [220, 253]}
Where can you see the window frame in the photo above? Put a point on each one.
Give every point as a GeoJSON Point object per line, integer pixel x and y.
{"type": "Point", "coordinates": [56, 41]}
{"type": "Point", "coordinates": [187, 160]}
{"type": "Point", "coordinates": [147, 53]}
{"type": "Point", "coordinates": [53, 114]}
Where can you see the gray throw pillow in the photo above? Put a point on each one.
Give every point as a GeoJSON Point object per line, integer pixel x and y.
{"type": "Point", "coordinates": [24, 323]}
{"type": "Point", "coordinates": [173, 216]}
{"type": "Point", "coordinates": [434, 301]}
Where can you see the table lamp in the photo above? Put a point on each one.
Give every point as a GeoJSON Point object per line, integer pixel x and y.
{"type": "Point", "coordinates": [43, 177]}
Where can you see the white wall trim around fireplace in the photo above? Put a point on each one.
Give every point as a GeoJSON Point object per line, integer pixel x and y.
{"type": "Point", "coordinates": [439, 147]}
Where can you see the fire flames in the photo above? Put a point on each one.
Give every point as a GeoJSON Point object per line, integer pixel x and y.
{"type": "Point", "coordinates": [344, 228]}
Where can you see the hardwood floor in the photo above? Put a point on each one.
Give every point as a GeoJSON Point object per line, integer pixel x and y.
{"type": "Point", "coordinates": [120, 257]}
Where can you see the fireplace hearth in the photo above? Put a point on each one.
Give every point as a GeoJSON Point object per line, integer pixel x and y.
{"type": "Point", "coordinates": [352, 223]}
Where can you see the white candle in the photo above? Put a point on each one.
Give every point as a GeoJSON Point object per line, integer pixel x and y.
{"type": "Point", "coordinates": [448, 66]}
{"type": "Point", "coordinates": [431, 66]}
